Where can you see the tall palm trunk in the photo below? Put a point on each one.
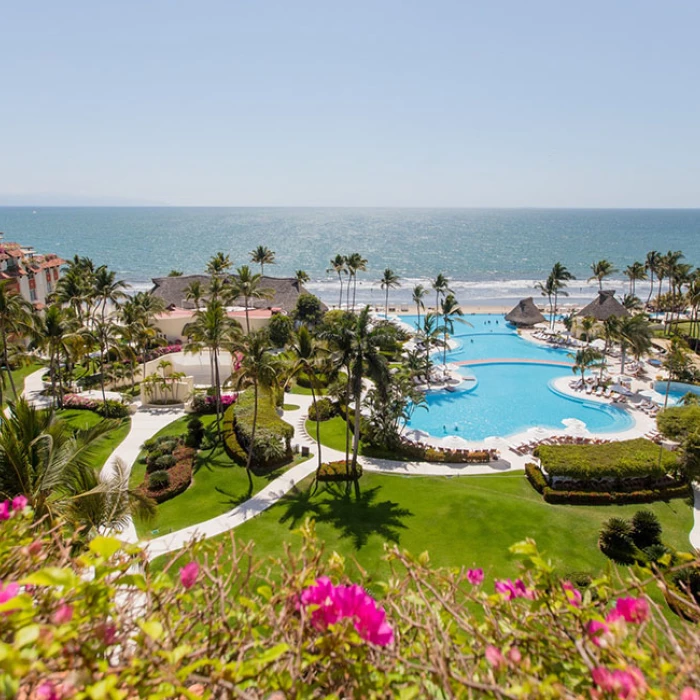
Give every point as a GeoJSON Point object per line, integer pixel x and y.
{"type": "Point", "coordinates": [386, 304]}
{"type": "Point", "coordinates": [247, 319]}
{"type": "Point", "coordinates": [217, 390]}
{"type": "Point", "coordinates": [340, 300]}
{"type": "Point", "coordinates": [102, 373]}
{"type": "Point", "coordinates": [354, 289]}
{"type": "Point", "coordinates": [347, 421]}
{"type": "Point", "coordinates": [418, 312]}
{"type": "Point", "coordinates": [318, 426]}
{"type": "Point", "coordinates": [6, 361]}
{"type": "Point", "coordinates": [356, 436]}
{"type": "Point", "coordinates": [651, 286]}
{"type": "Point", "coordinates": [252, 436]}
{"type": "Point", "coordinates": [347, 294]}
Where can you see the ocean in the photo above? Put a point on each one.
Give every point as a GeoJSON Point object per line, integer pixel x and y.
{"type": "Point", "coordinates": [491, 256]}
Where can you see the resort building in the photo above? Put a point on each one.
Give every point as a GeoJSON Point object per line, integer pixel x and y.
{"type": "Point", "coordinates": [32, 275]}
{"type": "Point", "coordinates": [525, 314]}
{"type": "Point", "coordinates": [284, 292]}
{"type": "Point", "coordinates": [603, 307]}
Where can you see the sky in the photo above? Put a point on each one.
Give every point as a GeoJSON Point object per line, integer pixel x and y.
{"type": "Point", "coordinates": [497, 103]}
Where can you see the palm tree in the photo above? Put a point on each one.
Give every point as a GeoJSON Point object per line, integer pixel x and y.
{"type": "Point", "coordinates": [419, 293]}
{"type": "Point", "coordinates": [107, 289]}
{"type": "Point", "coordinates": [211, 328]}
{"type": "Point", "coordinates": [354, 263]}
{"type": "Point", "coordinates": [52, 465]}
{"type": "Point", "coordinates": [632, 332]}
{"type": "Point", "coordinates": [652, 265]}
{"type": "Point", "coordinates": [586, 328]}
{"type": "Point", "coordinates": [106, 335]}
{"type": "Point", "coordinates": [441, 286]}
{"type": "Point", "coordinates": [431, 336]}
{"type": "Point", "coordinates": [300, 278]}
{"type": "Point", "coordinates": [585, 358]}
{"type": "Point", "coordinates": [194, 292]}
{"type": "Point", "coordinates": [389, 280]}
{"type": "Point", "coordinates": [259, 367]}
{"type": "Point", "coordinates": [636, 272]}
{"type": "Point", "coordinates": [694, 302]}
{"type": "Point", "coordinates": [547, 289]}
{"type": "Point", "coordinates": [246, 284]}
{"type": "Point", "coordinates": [450, 312]}
{"type": "Point", "coordinates": [338, 266]}
{"type": "Point", "coordinates": [601, 269]}
{"type": "Point", "coordinates": [306, 353]}
{"type": "Point", "coordinates": [52, 331]}
{"type": "Point", "coordinates": [560, 276]}
{"type": "Point", "coordinates": [218, 264]}
{"type": "Point", "coordinates": [16, 321]}
{"type": "Point", "coordinates": [262, 256]}
{"type": "Point", "coordinates": [632, 302]}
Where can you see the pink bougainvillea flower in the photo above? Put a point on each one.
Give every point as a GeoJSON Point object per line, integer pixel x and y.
{"type": "Point", "coordinates": [689, 694]}
{"type": "Point", "coordinates": [63, 614]}
{"type": "Point", "coordinates": [8, 592]}
{"type": "Point", "coordinates": [47, 691]}
{"type": "Point", "coordinates": [5, 510]}
{"type": "Point", "coordinates": [19, 503]}
{"type": "Point", "coordinates": [596, 631]}
{"type": "Point", "coordinates": [475, 576]}
{"type": "Point", "coordinates": [573, 595]}
{"type": "Point", "coordinates": [514, 655]}
{"type": "Point", "coordinates": [514, 589]}
{"type": "Point", "coordinates": [188, 574]}
{"type": "Point", "coordinates": [632, 609]}
{"type": "Point", "coordinates": [628, 683]}
{"type": "Point", "coordinates": [333, 603]}
{"type": "Point", "coordinates": [494, 657]}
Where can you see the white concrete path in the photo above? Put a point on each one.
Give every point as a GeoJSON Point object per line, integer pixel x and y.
{"type": "Point", "coordinates": [147, 422]}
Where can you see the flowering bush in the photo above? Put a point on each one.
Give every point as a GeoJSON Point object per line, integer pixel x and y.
{"type": "Point", "coordinates": [207, 404]}
{"type": "Point", "coordinates": [155, 353]}
{"type": "Point", "coordinates": [98, 622]}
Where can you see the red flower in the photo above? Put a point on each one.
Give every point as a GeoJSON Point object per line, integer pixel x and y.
{"type": "Point", "coordinates": [188, 574]}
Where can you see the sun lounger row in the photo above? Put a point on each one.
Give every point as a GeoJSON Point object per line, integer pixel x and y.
{"type": "Point", "coordinates": [529, 447]}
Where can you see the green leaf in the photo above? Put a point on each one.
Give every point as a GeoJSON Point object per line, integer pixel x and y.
{"type": "Point", "coordinates": [152, 628]}
{"type": "Point", "coordinates": [105, 546]}
{"type": "Point", "coordinates": [27, 635]}
{"type": "Point", "coordinates": [526, 548]}
{"type": "Point", "coordinates": [272, 654]}
{"type": "Point", "coordinates": [52, 576]}
{"type": "Point", "coordinates": [265, 592]}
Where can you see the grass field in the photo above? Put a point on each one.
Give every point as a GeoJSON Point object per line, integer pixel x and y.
{"type": "Point", "coordinates": [218, 485]}
{"type": "Point", "coordinates": [80, 419]}
{"type": "Point", "coordinates": [458, 520]}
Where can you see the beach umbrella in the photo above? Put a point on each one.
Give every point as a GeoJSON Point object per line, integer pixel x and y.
{"type": "Point", "coordinates": [598, 344]}
{"type": "Point", "coordinates": [621, 389]}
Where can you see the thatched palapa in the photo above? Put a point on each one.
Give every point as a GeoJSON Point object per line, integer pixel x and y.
{"type": "Point", "coordinates": [285, 292]}
{"type": "Point", "coordinates": [525, 314]}
{"type": "Point", "coordinates": [603, 307]}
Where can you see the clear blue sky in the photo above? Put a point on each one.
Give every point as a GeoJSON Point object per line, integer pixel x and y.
{"type": "Point", "coordinates": [362, 103]}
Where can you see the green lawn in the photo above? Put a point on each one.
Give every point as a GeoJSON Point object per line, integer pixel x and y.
{"type": "Point", "coordinates": [80, 419]}
{"type": "Point", "coordinates": [218, 485]}
{"type": "Point", "coordinates": [458, 520]}
{"type": "Point", "coordinates": [333, 436]}
{"type": "Point", "coordinates": [18, 376]}
{"type": "Point", "coordinates": [289, 407]}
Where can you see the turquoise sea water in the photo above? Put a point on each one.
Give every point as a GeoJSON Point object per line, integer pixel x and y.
{"type": "Point", "coordinates": [490, 254]}
{"type": "Point", "coordinates": [507, 398]}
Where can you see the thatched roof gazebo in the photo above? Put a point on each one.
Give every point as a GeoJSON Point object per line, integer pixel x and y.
{"type": "Point", "coordinates": [603, 307]}
{"type": "Point", "coordinates": [525, 314]}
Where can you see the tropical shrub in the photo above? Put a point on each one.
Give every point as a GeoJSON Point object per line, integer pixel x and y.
{"type": "Point", "coordinates": [165, 461]}
{"type": "Point", "coordinates": [305, 626]}
{"type": "Point", "coordinates": [206, 404]}
{"type": "Point", "coordinates": [308, 309]}
{"type": "Point", "coordinates": [280, 330]}
{"type": "Point", "coordinates": [158, 480]}
{"type": "Point", "coordinates": [337, 471]}
{"type": "Point", "coordinates": [111, 408]}
{"type": "Point", "coordinates": [677, 422]}
{"type": "Point", "coordinates": [646, 529]}
{"type": "Point", "coordinates": [195, 433]}
{"type": "Point", "coordinates": [616, 542]}
{"type": "Point", "coordinates": [179, 475]}
{"type": "Point", "coordinates": [324, 409]}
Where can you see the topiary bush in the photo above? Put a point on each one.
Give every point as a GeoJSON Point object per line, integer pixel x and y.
{"type": "Point", "coordinates": [158, 480]}
{"type": "Point", "coordinates": [324, 409]}
{"type": "Point", "coordinates": [195, 433]}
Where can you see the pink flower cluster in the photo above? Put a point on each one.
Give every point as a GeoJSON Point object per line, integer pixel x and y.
{"type": "Point", "coordinates": [189, 574]}
{"type": "Point", "coordinates": [628, 683]}
{"type": "Point", "coordinates": [8, 508]}
{"type": "Point", "coordinates": [226, 400]}
{"type": "Point", "coordinates": [573, 595]}
{"type": "Point", "coordinates": [475, 576]}
{"type": "Point", "coordinates": [634, 610]}
{"type": "Point", "coordinates": [496, 659]}
{"type": "Point", "coordinates": [514, 589]}
{"type": "Point", "coordinates": [335, 603]}
{"type": "Point", "coordinates": [79, 402]}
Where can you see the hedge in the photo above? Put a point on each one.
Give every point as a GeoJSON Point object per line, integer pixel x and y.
{"type": "Point", "coordinates": [601, 498]}
{"type": "Point", "coordinates": [628, 458]}
{"type": "Point", "coordinates": [325, 409]}
{"type": "Point", "coordinates": [238, 421]}
{"type": "Point", "coordinates": [678, 421]}
{"type": "Point", "coordinates": [337, 471]}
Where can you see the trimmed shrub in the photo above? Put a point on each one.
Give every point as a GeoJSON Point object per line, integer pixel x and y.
{"type": "Point", "coordinates": [195, 433]}
{"type": "Point", "coordinates": [602, 498]}
{"type": "Point", "coordinates": [535, 477]}
{"type": "Point", "coordinates": [677, 422]}
{"type": "Point", "coordinates": [628, 458]}
{"type": "Point", "coordinates": [112, 409]}
{"type": "Point", "coordinates": [168, 445]}
{"type": "Point", "coordinates": [325, 409]}
{"type": "Point", "coordinates": [646, 529]}
{"type": "Point", "coordinates": [159, 480]}
{"type": "Point", "coordinates": [337, 471]}
{"type": "Point", "coordinates": [615, 541]}
{"type": "Point", "coordinates": [179, 476]}
{"type": "Point", "coordinates": [165, 462]}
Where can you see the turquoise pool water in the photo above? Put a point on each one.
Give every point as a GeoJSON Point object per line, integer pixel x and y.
{"type": "Point", "coordinates": [508, 398]}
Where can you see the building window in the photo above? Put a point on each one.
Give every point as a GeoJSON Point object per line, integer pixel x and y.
{"type": "Point", "coordinates": [32, 294]}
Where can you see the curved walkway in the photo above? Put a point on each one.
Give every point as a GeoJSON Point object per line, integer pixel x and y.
{"type": "Point", "coordinates": [146, 422]}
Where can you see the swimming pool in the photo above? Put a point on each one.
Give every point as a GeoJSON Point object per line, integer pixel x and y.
{"type": "Point", "coordinates": [509, 397]}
